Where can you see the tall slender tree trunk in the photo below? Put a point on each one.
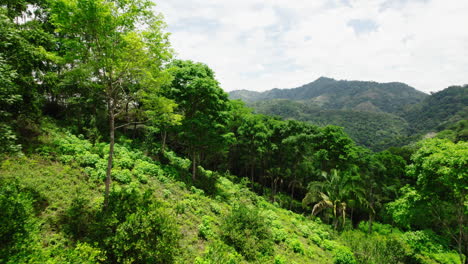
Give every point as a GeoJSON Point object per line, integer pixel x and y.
{"type": "Point", "coordinates": [462, 243]}
{"type": "Point", "coordinates": [111, 152]}
{"type": "Point", "coordinates": [371, 207]}
{"type": "Point", "coordinates": [292, 195]}
{"type": "Point", "coordinates": [163, 145]}
{"type": "Point", "coordinates": [252, 176]}
{"type": "Point", "coordinates": [194, 165]}
{"type": "Point", "coordinates": [371, 218]}
{"type": "Point", "coordinates": [293, 183]}
{"type": "Point", "coordinates": [127, 118]}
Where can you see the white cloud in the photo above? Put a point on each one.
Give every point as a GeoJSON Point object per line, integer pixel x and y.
{"type": "Point", "coordinates": [263, 44]}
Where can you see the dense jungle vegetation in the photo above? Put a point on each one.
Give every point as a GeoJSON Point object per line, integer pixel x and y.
{"type": "Point", "coordinates": [113, 151]}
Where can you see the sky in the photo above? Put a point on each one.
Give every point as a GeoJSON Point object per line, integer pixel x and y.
{"type": "Point", "coordinates": [264, 44]}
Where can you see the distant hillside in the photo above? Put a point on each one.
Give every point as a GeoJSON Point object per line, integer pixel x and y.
{"type": "Point", "coordinates": [375, 130]}
{"type": "Point", "coordinates": [439, 110]}
{"type": "Point", "coordinates": [328, 93]}
{"type": "Point", "coordinates": [375, 115]}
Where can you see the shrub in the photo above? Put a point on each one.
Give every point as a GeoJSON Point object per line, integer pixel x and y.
{"type": "Point", "coordinates": [88, 159]}
{"type": "Point", "coordinates": [123, 176]}
{"type": "Point", "coordinates": [375, 248]}
{"type": "Point", "coordinates": [135, 228]}
{"type": "Point", "coordinates": [343, 255]}
{"type": "Point", "coordinates": [204, 229]}
{"type": "Point", "coordinates": [296, 246]}
{"type": "Point", "coordinates": [246, 231]}
{"type": "Point", "coordinates": [218, 252]}
{"type": "Point", "coordinates": [215, 208]}
{"type": "Point", "coordinates": [146, 236]}
{"type": "Point", "coordinates": [279, 234]}
{"type": "Point", "coordinates": [124, 162]}
{"type": "Point", "coordinates": [146, 168]}
{"type": "Point", "coordinates": [16, 211]}
{"type": "Point", "coordinates": [279, 259]}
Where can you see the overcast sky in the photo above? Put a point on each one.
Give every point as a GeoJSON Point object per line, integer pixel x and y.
{"type": "Point", "coordinates": [264, 44]}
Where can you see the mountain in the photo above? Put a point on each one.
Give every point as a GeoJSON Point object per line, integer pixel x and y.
{"type": "Point", "coordinates": [328, 93]}
{"type": "Point", "coordinates": [375, 115]}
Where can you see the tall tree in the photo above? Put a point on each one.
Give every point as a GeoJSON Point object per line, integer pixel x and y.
{"type": "Point", "coordinates": [204, 106]}
{"type": "Point", "coordinates": [116, 46]}
{"type": "Point", "coordinates": [252, 137]}
{"type": "Point", "coordinates": [26, 41]}
{"type": "Point", "coordinates": [441, 168]}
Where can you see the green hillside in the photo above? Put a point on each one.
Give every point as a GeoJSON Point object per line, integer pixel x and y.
{"type": "Point", "coordinates": [439, 110]}
{"type": "Point", "coordinates": [52, 212]}
{"type": "Point", "coordinates": [59, 215]}
{"type": "Point", "coordinates": [114, 152]}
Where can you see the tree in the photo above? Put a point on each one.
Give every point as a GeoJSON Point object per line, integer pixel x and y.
{"type": "Point", "coordinates": [331, 193]}
{"type": "Point", "coordinates": [441, 168]}
{"type": "Point", "coordinates": [116, 46]}
{"type": "Point", "coordinates": [204, 106]}
{"type": "Point", "coordinates": [25, 56]}
{"type": "Point", "coordinates": [252, 137]}
{"type": "Point", "coordinates": [333, 149]}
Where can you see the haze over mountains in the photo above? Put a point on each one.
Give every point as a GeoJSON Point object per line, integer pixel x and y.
{"type": "Point", "coordinates": [376, 115]}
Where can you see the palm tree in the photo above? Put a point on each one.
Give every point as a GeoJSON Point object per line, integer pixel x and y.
{"type": "Point", "coordinates": [332, 193]}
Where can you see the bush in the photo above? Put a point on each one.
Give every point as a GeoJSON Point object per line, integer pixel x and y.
{"type": "Point", "coordinates": [146, 236]}
{"type": "Point", "coordinates": [124, 162]}
{"type": "Point", "coordinates": [217, 253]}
{"type": "Point", "coordinates": [279, 259]}
{"type": "Point", "coordinates": [146, 168]}
{"type": "Point", "coordinates": [343, 255]}
{"type": "Point", "coordinates": [88, 159]}
{"type": "Point", "coordinates": [204, 229]}
{"type": "Point", "coordinates": [135, 228]}
{"type": "Point", "coordinates": [375, 248]}
{"type": "Point", "coordinates": [246, 231]}
{"type": "Point", "coordinates": [16, 211]}
{"type": "Point", "coordinates": [123, 176]}
{"type": "Point", "coordinates": [296, 246]}
{"type": "Point", "coordinates": [279, 234]}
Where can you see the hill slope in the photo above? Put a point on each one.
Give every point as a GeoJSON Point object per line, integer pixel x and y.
{"type": "Point", "coordinates": [439, 110]}
{"type": "Point", "coordinates": [66, 221]}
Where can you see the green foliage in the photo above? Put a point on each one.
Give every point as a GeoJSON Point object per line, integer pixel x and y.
{"type": "Point", "coordinates": [407, 210]}
{"type": "Point", "coordinates": [343, 255]}
{"type": "Point", "coordinates": [377, 248]}
{"type": "Point", "coordinates": [136, 228]}
{"type": "Point", "coordinates": [439, 110]}
{"type": "Point", "coordinates": [203, 129]}
{"type": "Point", "coordinates": [217, 253]}
{"type": "Point", "coordinates": [146, 236]}
{"type": "Point", "coordinates": [17, 211]}
{"type": "Point", "coordinates": [296, 246]}
{"type": "Point", "coordinates": [246, 231]}
{"type": "Point", "coordinates": [205, 230]}
{"type": "Point", "coordinates": [123, 176]}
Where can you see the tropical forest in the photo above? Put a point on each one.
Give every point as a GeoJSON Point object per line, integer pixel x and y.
{"type": "Point", "coordinates": [113, 149]}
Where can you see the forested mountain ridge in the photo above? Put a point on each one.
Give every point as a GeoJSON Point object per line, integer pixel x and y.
{"type": "Point", "coordinates": [375, 115]}
{"type": "Point", "coordinates": [328, 94]}
{"type": "Point", "coordinates": [439, 110]}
